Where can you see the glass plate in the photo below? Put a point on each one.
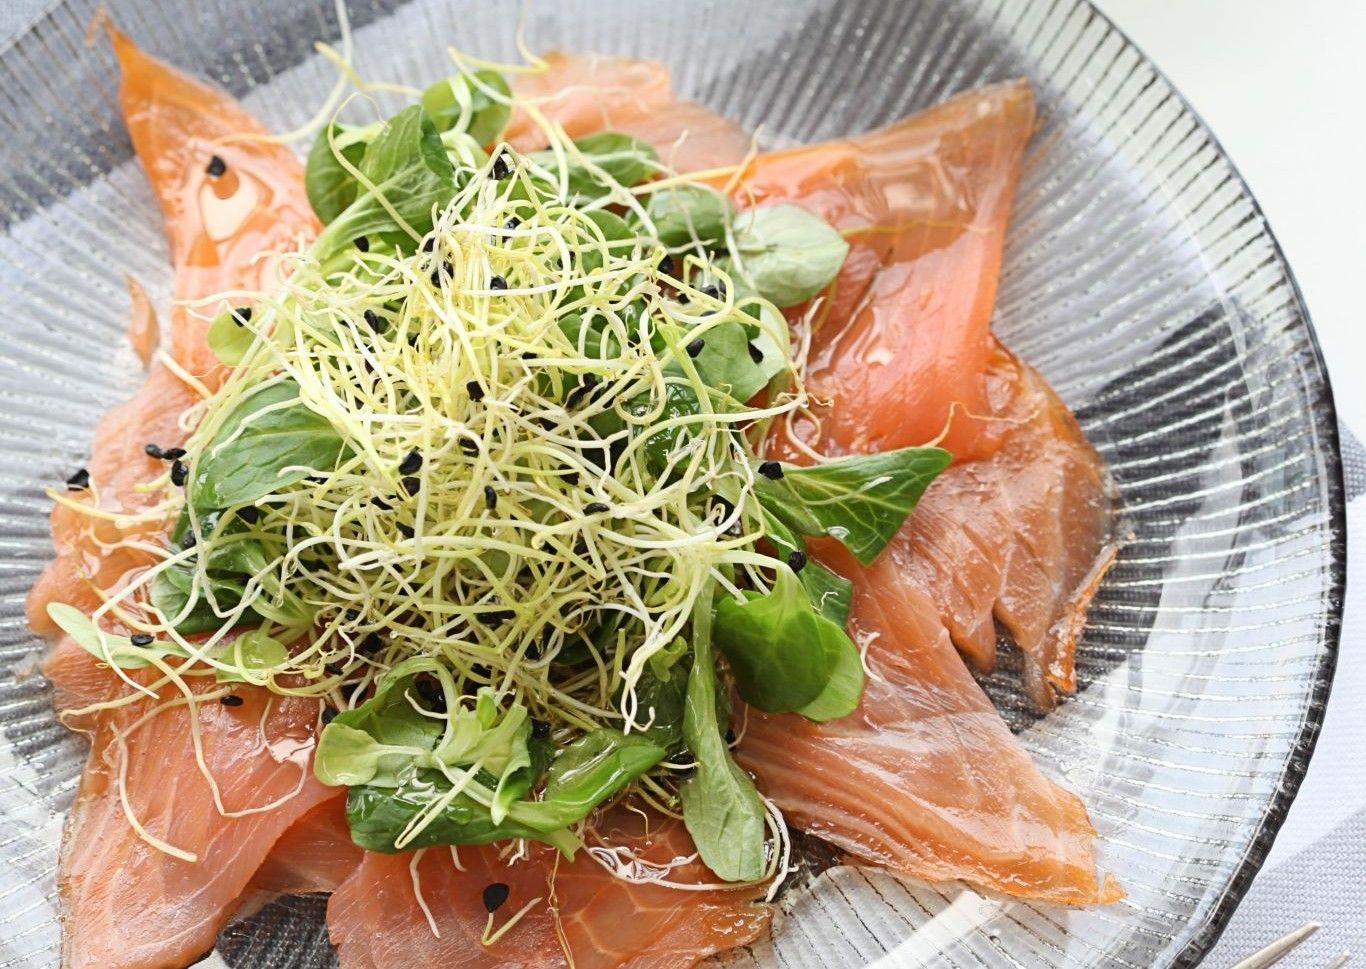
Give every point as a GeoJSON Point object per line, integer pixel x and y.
{"type": "Point", "coordinates": [1139, 276]}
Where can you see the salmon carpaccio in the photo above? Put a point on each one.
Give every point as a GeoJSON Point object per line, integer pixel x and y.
{"type": "Point", "coordinates": [924, 204]}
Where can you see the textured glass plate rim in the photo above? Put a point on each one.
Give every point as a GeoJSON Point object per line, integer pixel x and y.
{"type": "Point", "coordinates": [1302, 750]}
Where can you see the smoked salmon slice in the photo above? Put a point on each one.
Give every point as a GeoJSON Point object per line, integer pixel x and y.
{"type": "Point", "coordinates": [316, 854]}
{"type": "Point", "coordinates": [924, 777]}
{"type": "Point", "coordinates": [585, 93]}
{"type": "Point", "coordinates": [899, 355]}
{"type": "Point", "coordinates": [128, 904]}
{"type": "Point", "coordinates": [1022, 538]}
{"type": "Point", "coordinates": [601, 921]}
{"type": "Point", "coordinates": [217, 221]}
{"type": "Point", "coordinates": [125, 902]}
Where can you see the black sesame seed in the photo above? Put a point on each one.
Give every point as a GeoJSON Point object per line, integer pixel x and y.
{"type": "Point", "coordinates": [189, 541]}
{"type": "Point", "coordinates": [231, 700]}
{"type": "Point", "coordinates": [428, 244]}
{"type": "Point", "coordinates": [249, 514]}
{"type": "Point", "coordinates": [581, 547]}
{"type": "Point", "coordinates": [154, 451]}
{"type": "Point", "coordinates": [469, 447]}
{"type": "Point", "coordinates": [173, 453]}
{"type": "Point", "coordinates": [411, 463]}
{"type": "Point", "coordinates": [179, 473]}
{"type": "Point", "coordinates": [475, 391]}
{"type": "Point", "coordinates": [216, 167]}
{"type": "Point", "coordinates": [78, 481]}
{"type": "Point", "coordinates": [140, 639]}
{"type": "Point", "coordinates": [501, 169]}
{"type": "Point", "coordinates": [490, 497]}
{"type": "Point", "coordinates": [334, 669]}
{"type": "Point", "coordinates": [596, 507]}
{"type": "Point", "coordinates": [411, 484]}
{"type": "Point", "coordinates": [241, 315]}
{"type": "Point", "coordinates": [497, 282]}
{"type": "Point", "coordinates": [495, 895]}
{"type": "Point", "coordinates": [405, 530]}
{"type": "Point", "coordinates": [796, 560]}
{"type": "Point", "coordinates": [381, 504]}
{"type": "Point", "coordinates": [373, 321]}
{"type": "Point", "coordinates": [436, 277]}
{"type": "Point", "coordinates": [572, 479]}
{"type": "Point", "coordinates": [512, 223]}
{"type": "Point", "coordinates": [713, 292]}
{"type": "Point", "coordinates": [666, 265]}
{"type": "Point", "coordinates": [362, 243]}
{"type": "Point", "coordinates": [730, 736]}
{"type": "Point", "coordinates": [372, 643]}
{"type": "Point", "coordinates": [695, 347]}
{"type": "Point", "coordinates": [329, 715]}
{"type": "Point", "coordinates": [755, 353]}
{"type": "Point", "coordinates": [771, 470]}
{"type": "Point", "coordinates": [498, 617]}
{"type": "Point", "coordinates": [539, 729]}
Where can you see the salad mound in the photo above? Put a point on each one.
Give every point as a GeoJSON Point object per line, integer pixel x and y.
{"type": "Point", "coordinates": [487, 478]}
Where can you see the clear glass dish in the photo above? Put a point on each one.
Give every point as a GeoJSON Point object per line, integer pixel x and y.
{"type": "Point", "coordinates": [1139, 276]}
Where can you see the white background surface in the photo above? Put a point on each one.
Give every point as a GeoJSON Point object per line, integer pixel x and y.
{"type": "Point", "coordinates": [1282, 83]}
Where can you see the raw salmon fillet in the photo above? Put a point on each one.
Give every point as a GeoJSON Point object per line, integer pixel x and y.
{"type": "Point", "coordinates": [604, 922]}
{"type": "Point", "coordinates": [584, 93]}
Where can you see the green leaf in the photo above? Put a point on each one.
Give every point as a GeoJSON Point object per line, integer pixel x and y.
{"type": "Point", "coordinates": [330, 187]}
{"type": "Point", "coordinates": [861, 500]}
{"type": "Point", "coordinates": [787, 254]}
{"type": "Point", "coordinates": [457, 102]}
{"type": "Point", "coordinates": [831, 594]}
{"type": "Point", "coordinates": [661, 694]}
{"type": "Point", "coordinates": [624, 159]}
{"type": "Point", "coordinates": [107, 647]}
{"type": "Point", "coordinates": [228, 338]}
{"type": "Point", "coordinates": [377, 816]}
{"type": "Point", "coordinates": [726, 365]}
{"type": "Point", "coordinates": [253, 653]}
{"type": "Point", "coordinates": [171, 591]}
{"type": "Point", "coordinates": [268, 431]}
{"type": "Point", "coordinates": [781, 650]}
{"type": "Point", "coordinates": [679, 401]}
{"type": "Point", "coordinates": [589, 771]}
{"type": "Point", "coordinates": [721, 807]}
{"type": "Point", "coordinates": [528, 765]}
{"type": "Point", "coordinates": [844, 689]}
{"type": "Point", "coordinates": [688, 213]}
{"type": "Point", "coordinates": [410, 169]}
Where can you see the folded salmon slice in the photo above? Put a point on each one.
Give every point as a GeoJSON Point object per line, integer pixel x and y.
{"type": "Point", "coordinates": [316, 854]}
{"type": "Point", "coordinates": [1022, 538]}
{"type": "Point", "coordinates": [601, 921]}
{"type": "Point", "coordinates": [127, 904]}
{"type": "Point", "coordinates": [585, 93]}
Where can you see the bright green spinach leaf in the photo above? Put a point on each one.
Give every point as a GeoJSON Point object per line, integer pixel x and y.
{"type": "Point", "coordinates": [330, 187]}
{"type": "Point", "coordinates": [831, 594]}
{"type": "Point", "coordinates": [688, 213]}
{"type": "Point", "coordinates": [411, 171]}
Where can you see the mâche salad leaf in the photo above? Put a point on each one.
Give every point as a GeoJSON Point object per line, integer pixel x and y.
{"type": "Point", "coordinates": [269, 440]}
{"type": "Point", "coordinates": [329, 185]}
{"type": "Point", "coordinates": [861, 500]}
{"type": "Point", "coordinates": [722, 809]}
{"type": "Point", "coordinates": [786, 253]}
{"type": "Point", "coordinates": [477, 104]}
